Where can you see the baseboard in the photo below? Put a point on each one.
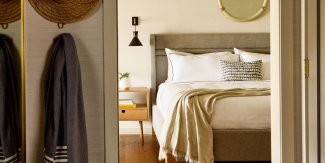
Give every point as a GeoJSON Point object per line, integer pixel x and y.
{"type": "Point", "coordinates": [135, 131]}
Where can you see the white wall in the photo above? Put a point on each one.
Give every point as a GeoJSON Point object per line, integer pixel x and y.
{"type": "Point", "coordinates": [170, 16]}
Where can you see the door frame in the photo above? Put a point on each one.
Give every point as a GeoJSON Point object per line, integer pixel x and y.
{"type": "Point", "coordinates": [285, 122]}
{"type": "Point", "coordinates": [321, 74]}
{"type": "Point", "coordinates": [310, 83]}
{"type": "Point", "coordinates": [110, 81]}
{"type": "Point", "coordinates": [321, 66]}
{"type": "Point", "coordinates": [282, 93]}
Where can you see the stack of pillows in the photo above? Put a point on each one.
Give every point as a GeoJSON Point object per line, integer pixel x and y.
{"type": "Point", "coordinates": [217, 66]}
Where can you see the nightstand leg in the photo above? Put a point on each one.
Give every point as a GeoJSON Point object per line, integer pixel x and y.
{"type": "Point", "coordinates": [141, 130]}
{"type": "Point", "coordinates": [153, 132]}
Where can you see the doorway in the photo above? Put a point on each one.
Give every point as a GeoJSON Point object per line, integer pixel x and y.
{"type": "Point", "coordinates": [281, 142]}
{"type": "Point", "coordinates": [162, 18]}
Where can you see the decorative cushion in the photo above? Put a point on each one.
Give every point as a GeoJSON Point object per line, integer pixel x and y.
{"type": "Point", "coordinates": [241, 71]}
{"type": "Point", "coordinates": [249, 56]}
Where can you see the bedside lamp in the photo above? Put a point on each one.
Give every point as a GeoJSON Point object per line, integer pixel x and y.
{"type": "Point", "coordinates": [135, 41]}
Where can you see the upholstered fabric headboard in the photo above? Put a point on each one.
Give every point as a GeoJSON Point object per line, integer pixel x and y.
{"type": "Point", "coordinates": [198, 44]}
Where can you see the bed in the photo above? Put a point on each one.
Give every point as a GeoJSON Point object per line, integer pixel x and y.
{"type": "Point", "coordinates": [231, 141]}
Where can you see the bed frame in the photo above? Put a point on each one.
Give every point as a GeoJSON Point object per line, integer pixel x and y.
{"type": "Point", "coordinates": [229, 145]}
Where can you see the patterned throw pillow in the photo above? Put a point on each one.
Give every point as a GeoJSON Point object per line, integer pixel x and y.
{"type": "Point", "coordinates": [241, 71]}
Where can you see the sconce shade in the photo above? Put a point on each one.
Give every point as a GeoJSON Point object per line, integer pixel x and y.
{"type": "Point", "coordinates": [135, 41]}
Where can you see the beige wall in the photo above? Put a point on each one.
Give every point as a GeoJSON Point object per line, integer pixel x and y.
{"type": "Point", "coordinates": [13, 31]}
{"type": "Point", "coordinates": [169, 16]}
{"type": "Point", "coordinates": [88, 36]}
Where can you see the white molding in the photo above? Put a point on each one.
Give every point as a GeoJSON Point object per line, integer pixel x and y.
{"type": "Point", "coordinates": [309, 101]}
{"type": "Point", "coordinates": [275, 86]}
{"type": "Point", "coordinates": [283, 83]}
{"type": "Point", "coordinates": [303, 87]}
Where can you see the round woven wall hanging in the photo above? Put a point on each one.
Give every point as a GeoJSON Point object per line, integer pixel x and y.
{"type": "Point", "coordinates": [64, 11]}
{"type": "Point", "coordinates": [9, 11]}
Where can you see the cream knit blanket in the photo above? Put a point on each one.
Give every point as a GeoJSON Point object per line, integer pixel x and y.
{"type": "Point", "coordinates": [187, 132]}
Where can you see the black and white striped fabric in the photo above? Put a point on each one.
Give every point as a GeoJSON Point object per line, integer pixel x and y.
{"type": "Point", "coordinates": [61, 155]}
{"type": "Point", "coordinates": [241, 71]}
{"type": "Point", "coordinates": [2, 157]}
{"type": "Point", "coordinates": [16, 158]}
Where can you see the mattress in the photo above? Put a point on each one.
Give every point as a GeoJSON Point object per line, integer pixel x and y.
{"type": "Point", "coordinates": [251, 112]}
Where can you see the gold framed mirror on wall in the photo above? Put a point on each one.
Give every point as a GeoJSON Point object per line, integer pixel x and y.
{"type": "Point", "coordinates": [243, 10]}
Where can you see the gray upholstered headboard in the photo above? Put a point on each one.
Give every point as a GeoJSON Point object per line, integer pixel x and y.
{"type": "Point", "coordinates": [197, 44]}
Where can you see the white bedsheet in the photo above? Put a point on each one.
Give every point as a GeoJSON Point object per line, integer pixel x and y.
{"type": "Point", "coordinates": [229, 113]}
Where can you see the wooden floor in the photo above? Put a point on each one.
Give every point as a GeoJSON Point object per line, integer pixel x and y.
{"type": "Point", "coordinates": [132, 151]}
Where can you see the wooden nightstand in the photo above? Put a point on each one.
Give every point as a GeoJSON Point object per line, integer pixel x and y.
{"type": "Point", "coordinates": [141, 112]}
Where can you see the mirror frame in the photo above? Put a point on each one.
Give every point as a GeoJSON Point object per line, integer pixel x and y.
{"type": "Point", "coordinates": [246, 19]}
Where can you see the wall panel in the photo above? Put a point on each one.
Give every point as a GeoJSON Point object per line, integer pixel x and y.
{"type": "Point", "coordinates": [88, 36]}
{"type": "Point", "coordinates": [13, 31]}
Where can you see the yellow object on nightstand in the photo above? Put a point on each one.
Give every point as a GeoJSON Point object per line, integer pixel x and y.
{"type": "Point", "coordinates": [130, 111]}
{"type": "Point", "coordinates": [126, 106]}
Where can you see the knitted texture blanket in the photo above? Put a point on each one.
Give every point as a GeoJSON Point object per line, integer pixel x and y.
{"type": "Point", "coordinates": [187, 133]}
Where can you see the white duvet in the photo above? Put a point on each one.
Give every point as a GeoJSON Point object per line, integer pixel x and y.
{"type": "Point", "coordinates": [229, 113]}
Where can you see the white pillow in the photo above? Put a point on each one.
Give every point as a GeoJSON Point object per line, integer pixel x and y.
{"type": "Point", "coordinates": [205, 67]}
{"type": "Point", "coordinates": [169, 70]}
{"type": "Point", "coordinates": [249, 57]}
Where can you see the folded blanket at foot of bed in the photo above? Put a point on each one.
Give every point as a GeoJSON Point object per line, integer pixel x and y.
{"type": "Point", "coordinates": [187, 132]}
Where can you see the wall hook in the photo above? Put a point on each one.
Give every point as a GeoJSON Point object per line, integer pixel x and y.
{"type": "Point", "coordinates": [60, 25]}
{"type": "Point", "coordinates": [4, 25]}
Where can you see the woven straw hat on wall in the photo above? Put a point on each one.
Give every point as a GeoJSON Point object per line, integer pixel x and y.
{"type": "Point", "coordinates": [9, 11]}
{"type": "Point", "coordinates": [64, 11]}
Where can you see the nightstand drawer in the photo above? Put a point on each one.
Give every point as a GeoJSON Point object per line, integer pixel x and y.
{"type": "Point", "coordinates": [133, 114]}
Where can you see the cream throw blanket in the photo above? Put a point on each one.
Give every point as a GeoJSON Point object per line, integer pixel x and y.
{"type": "Point", "coordinates": [187, 132]}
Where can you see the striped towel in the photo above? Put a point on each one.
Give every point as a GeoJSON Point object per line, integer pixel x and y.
{"type": "Point", "coordinates": [65, 128]}
{"type": "Point", "coordinates": [10, 123]}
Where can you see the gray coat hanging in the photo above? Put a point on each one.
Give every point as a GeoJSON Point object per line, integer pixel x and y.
{"type": "Point", "coordinates": [65, 128]}
{"type": "Point", "coordinates": [10, 130]}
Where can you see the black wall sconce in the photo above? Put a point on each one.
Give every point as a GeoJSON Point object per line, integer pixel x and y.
{"type": "Point", "coordinates": [135, 41]}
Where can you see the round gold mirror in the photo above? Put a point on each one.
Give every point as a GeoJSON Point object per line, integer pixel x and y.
{"type": "Point", "coordinates": [243, 10]}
